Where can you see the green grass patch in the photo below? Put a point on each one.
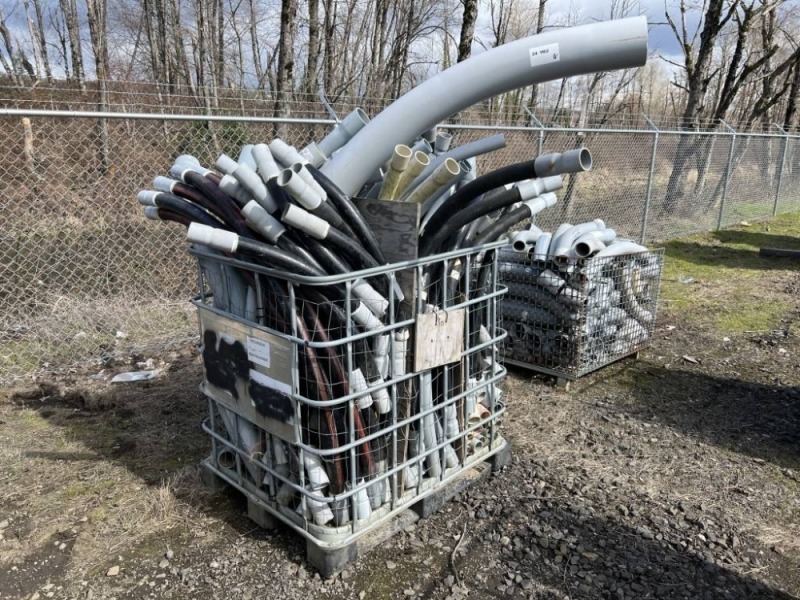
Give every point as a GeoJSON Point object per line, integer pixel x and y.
{"type": "Point", "coordinates": [719, 278]}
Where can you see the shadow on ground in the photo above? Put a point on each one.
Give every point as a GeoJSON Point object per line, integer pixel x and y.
{"type": "Point", "coordinates": [755, 419]}
{"type": "Point", "coordinates": [702, 254]}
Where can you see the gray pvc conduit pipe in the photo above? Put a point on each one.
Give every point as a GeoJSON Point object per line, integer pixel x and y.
{"type": "Point", "coordinates": [619, 44]}
{"type": "Point", "coordinates": [267, 168]}
{"type": "Point", "coordinates": [318, 152]}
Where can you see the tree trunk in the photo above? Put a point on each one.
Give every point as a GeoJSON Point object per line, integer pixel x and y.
{"type": "Point", "coordinates": [70, 10]}
{"type": "Point", "coordinates": [467, 29]}
{"type": "Point", "coordinates": [96, 16]}
{"type": "Point", "coordinates": [42, 40]}
{"type": "Point", "coordinates": [284, 79]}
{"type": "Point", "coordinates": [312, 63]}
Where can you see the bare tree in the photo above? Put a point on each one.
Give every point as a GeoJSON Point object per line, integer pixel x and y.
{"type": "Point", "coordinates": [467, 29]}
{"type": "Point", "coordinates": [69, 9]}
{"type": "Point", "coordinates": [284, 78]}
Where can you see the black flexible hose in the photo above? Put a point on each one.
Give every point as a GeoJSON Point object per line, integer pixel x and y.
{"type": "Point", "coordinates": [483, 184]}
{"type": "Point", "coordinates": [430, 244]}
{"type": "Point", "coordinates": [189, 193]}
{"type": "Point", "coordinates": [500, 226]}
{"type": "Point", "coordinates": [327, 211]}
{"type": "Point", "coordinates": [183, 207]}
{"type": "Point", "coordinates": [353, 251]}
{"type": "Point", "coordinates": [349, 213]}
{"type": "Point", "coordinates": [330, 261]}
{"type": "Point", "coordinates": [233, 216]}
{"type": "Point", "coordinates": [166, 214]}
{"type": "Point", "coordinates": [287, 242]}
{"type": "Point", "coordinates": [278, 258]}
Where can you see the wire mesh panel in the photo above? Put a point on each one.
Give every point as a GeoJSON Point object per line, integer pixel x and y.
{"type": "Point", "coordinates": [571, 317]}
{"type": "Point", "coordinates": [338, 401]}
{"type": "Point", "coordinates": [754, 178]}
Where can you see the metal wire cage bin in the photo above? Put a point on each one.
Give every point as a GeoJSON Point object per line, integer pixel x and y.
{"type": "Point", "coordinates": [570, 317]}
{"type": "Point", "coordinates": [334, 411]}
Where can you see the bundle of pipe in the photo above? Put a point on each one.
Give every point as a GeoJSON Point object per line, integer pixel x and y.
{"type": "Point", "coordinates": [577, 297]}
{"type": "Point", "coordinates": [271, 208]}
{"type": "Point", "coordinates": [292, 211]}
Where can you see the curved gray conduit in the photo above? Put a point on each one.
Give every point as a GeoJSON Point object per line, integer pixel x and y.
{"type": "Point", "coordinates": [619, 44]}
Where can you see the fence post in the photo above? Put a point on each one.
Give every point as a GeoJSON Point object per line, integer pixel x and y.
{"type": "Point", "coordinates": [780, 168]}
{"type": "Point", "coordinates": [727, 174]}
{"type": "Point", "coordinates": [649, 194]}
{"type": "Point", "coordinates": [538, 124]}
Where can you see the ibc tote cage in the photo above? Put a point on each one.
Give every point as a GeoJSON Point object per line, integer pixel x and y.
{"type": "Point", "coordinates": [333, 419]}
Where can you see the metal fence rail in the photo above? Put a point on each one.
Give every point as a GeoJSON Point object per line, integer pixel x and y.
{"type": "Point", "coordinates": [86, 280]}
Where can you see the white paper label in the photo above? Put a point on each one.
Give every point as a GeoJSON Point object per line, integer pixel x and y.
{"type": "Point", "coordinates": [258, 352]}
{"type": "Point", "coordinates": [544, 54]}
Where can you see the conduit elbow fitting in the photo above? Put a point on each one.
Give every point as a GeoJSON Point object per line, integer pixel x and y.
{"type": "Point", "coordinates": [246, 156]}
{"type": "Point", "coordinates": [542, 246]}
{"type": "Point", "coordinates": [266, 166]}
{"type": "Point", "coordinates": [593, 241]}
{"type": "Point", "coordinates": [263, 222]}
{"type": "Point", "coordinates": [284, 153]}
{"type": "Point", "coordinates": [620, 247]}
{"type": "Point", "coordinates": [399, 162]}
{"type": "Point", "coordinates": [219, 239]}
{"type": "Point", "coordinates": [567, 239]}
{"type": "Point", "coordinates": [523, 240]}
{"type": "Point", "coordinates": [298, 188]}
{"type": "Point", "coordinates": [574, 161]}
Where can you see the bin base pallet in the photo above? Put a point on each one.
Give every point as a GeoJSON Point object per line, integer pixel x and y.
{"type": "Point", "coordinates": [331, 560]}
{"type": "Point", "coordinates": [564, 380]}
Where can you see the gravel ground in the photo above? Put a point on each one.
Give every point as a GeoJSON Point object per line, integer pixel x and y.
{"type": "Point", "coordinates": [674, 476]}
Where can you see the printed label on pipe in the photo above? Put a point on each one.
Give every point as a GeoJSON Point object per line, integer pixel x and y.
{"type": "Point", "coordinates": [258, 352]}
{"type": "Point", "coordinates": [544, 54]}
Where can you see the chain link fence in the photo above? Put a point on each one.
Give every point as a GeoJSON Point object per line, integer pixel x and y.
{"type": "Point", "coordinates": [86, 280]}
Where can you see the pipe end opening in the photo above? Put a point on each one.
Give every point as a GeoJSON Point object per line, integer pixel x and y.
{"type": "Point", "coordinates": [585, 159]}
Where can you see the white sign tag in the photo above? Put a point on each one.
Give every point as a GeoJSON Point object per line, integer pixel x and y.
{"type": "Point", "coordinates": [544, 54]}
{"type": "Point", "coordinates": [258, 351]}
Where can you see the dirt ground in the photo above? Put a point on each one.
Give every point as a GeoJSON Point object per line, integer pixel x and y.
{"type": "Point", "coordinates": [674, 476]}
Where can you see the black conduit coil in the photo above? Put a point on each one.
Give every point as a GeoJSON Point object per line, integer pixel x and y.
{"type": "Point", "coordinates": [183, 207]}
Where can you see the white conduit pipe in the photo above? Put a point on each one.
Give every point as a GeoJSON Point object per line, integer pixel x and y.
{"type": "Point", "coordinates": [428, 427]}
{"type": "Point", "coordinates": [251, 182]}
{"type": "Point", "coordinates": [629, 296]}
{"type": "Point", "coordinates": [296, 186]}
{"type": "Point", "coordinates": [523, 240]}
{"type": "Point", "coordinates": [619, 44]}
{"type": "Point", "coordinates": [262, 222]}
{"type": "Point", "coordinates": [288, 155]}
{"type": "Point", "coordinates": [246, 157]}
{"type": "Point", "coordinates": [442, 143]}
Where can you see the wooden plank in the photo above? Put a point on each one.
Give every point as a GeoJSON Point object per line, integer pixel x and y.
{"type": "Point", "coordinates": [438, 338]}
